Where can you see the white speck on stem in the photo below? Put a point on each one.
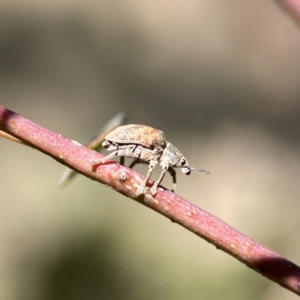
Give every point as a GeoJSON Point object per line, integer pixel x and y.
{"type": "Point", "coordinates": [76, 143]}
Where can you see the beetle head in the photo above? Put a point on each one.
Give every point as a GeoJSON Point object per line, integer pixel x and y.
{"type": "Point", "coordinates": [172, 157]}
{"type": "Point", "coordinates": [186, 169]}
{"type": "Point", "coordinates": [184, 165]}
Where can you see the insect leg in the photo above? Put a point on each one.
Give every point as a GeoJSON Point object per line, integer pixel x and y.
{"type": "Point", "coordinates": [173, 174]}
{"type": "Point", "coordinates": [152, 165]}
{"type": "Point", "coordinates": [136, 161]}
{"type": "Point", "coordinates": [103, 160]}
{"type": "Point", "coordinates": [145, 155]}
{"type": "Point", "coordinates": [121, 151]}
{"type": "Point", "coordinates": [110, 156]}
{"type": "Point", "coordinates": [155, 185]}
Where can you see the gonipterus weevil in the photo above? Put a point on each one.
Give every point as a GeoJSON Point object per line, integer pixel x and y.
{"type": "Point", "coordinates": [146, 145]}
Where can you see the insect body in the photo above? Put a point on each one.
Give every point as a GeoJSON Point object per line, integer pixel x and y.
{"type": "Point", "coordinates": [146, 145]}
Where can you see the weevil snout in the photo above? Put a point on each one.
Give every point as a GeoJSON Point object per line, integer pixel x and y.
{"type": "Point", "coordinates": [185, 167]}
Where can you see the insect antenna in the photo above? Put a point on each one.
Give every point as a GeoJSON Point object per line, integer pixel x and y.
{"type": "Point", "coordinates": [196, 170]}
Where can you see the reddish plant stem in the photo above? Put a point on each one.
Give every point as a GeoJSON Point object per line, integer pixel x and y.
{"type": "Point", "coordinates": [126, 181]}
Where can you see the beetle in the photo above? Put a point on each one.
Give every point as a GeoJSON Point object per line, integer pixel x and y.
{"type": "Point", "coordinates": [146, 145]}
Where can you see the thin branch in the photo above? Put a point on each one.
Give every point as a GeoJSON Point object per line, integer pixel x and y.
{"type": "Point", "coordinates": [11, 138]}
{"type": "Point", "coordinates": [126, 181]}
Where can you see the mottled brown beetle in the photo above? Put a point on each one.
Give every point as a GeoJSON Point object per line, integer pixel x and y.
{"type": "Point", "coordinates": [146, 145]}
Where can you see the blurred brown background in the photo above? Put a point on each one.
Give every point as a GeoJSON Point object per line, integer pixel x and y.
{"type": "Point", "coordinates": [221, 79]}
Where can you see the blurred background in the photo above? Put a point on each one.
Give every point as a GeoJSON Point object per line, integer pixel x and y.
{"type": "Point", "coordinates": [220, 78]}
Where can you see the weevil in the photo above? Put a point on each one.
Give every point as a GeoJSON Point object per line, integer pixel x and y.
{"type": "Point", "coordinates": [146, 145]}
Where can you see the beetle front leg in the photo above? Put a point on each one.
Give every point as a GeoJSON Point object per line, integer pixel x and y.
{"type": "Point", "coordinates": [156, 183]}
{"type": "Point", "coordinates": [152, 165]}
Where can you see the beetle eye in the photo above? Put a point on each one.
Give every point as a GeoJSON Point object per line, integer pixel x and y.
{"type": "Point", "coordinates": [105, 144]}
{"type": "Point", "coordinates": [185, 168]}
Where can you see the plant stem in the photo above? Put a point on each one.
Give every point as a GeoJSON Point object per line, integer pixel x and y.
{"type": "Point", "coordinates": [127, 182]}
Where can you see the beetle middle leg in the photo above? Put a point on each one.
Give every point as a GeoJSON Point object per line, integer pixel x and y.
{"type": "Point", "coordinates": [136, 161]}
{"type": "Point", "coordinates": [122, 160]}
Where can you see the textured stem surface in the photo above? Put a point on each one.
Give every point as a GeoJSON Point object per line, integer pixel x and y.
{"type": "Point", "coordinates": [127, 182]}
